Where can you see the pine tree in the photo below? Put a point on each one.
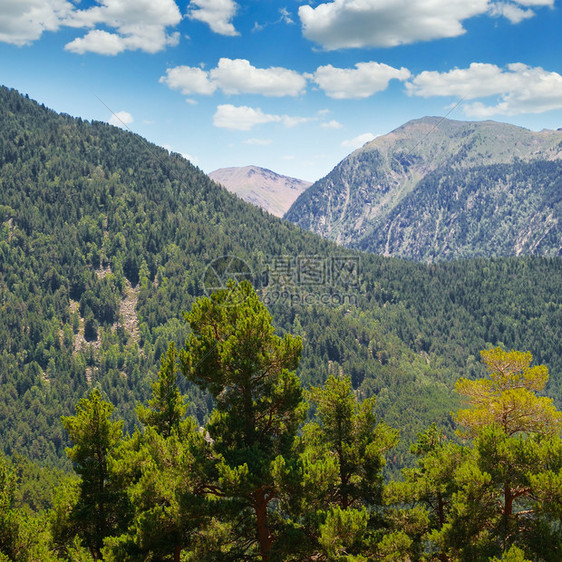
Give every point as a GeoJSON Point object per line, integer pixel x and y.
{"type": "Point", "coordinates": [98, 510]}
{"type": "Point", "coordinates": [507, 396]}
{"type": "Point", "coordinates": [234, 353]}
{"type": "Point", "coordinates": [165, 408]}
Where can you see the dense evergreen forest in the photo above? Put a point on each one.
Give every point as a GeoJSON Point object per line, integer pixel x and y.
{"type": "Point", "coordinates": [254, 483]}
{"type": "Point", "coordinates": [105, 241]}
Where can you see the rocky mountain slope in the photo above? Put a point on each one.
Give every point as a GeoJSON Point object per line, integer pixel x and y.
{"type": "Point", "coordinates": [425, 189]}
{"type": "Point", "coordinates": [266, 189]}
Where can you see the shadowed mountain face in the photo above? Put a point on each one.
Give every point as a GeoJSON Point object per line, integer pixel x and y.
{"type": "Point", "coordinates": [437, 189]}
{"type": "Point", "coordinates": [266, 189]}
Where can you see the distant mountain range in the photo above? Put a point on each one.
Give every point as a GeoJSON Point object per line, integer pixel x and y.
{"type": "Point", "coordinates": [437, 189]}
{"type": "Point", "coordinates": [266, 189]}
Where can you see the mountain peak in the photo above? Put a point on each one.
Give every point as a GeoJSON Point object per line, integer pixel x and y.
{"type": "Point", "coordinates": [374, 199]}
{"type": "Point", "coordinates": [269, 190]}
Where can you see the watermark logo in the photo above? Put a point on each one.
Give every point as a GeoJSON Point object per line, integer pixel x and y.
{"type": "Point", "coordinates": [225, 268]}
{"type": "Point", "coordinates": [290, 280]}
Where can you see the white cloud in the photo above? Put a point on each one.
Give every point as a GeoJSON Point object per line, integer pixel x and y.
{"type": "Point", "coordinates": [294, 121]}
{"type": "Point", "coordinates": [235, 76]}
{"type": "Point", "coordinates": [520, 88]}
{"type": "Point", "coordinates": [358, 141]}
{"type": "Point", "coordinates": [258, 142]}
{"type": "Point", "coordinates": [286, 16]}
{"type": "Point", "coordinates": [216, 13]}
{"type": "Point", "coordinates": [510, 11]}
{"type": "Point", "coordinates": [189, 80]}
{"type": "Point", "coordinates": [97, 41]}
{"type": "Point", "coordinates": [535, 3]}
{"type": "Point", "coordinates": [363, 81]}
{"type": "Point", "coordinates": [333, 124]}
{"type": "Point", "coordinates": [387, 23]}
{"type": "Point", "coordinates": [121, 119]}
{"type": "Point", "coordinates": [23, 21]}
{"type": "Point", "coordinates": [239, 76]}
{"type": "Point", "coordinates": [139, 25]}
{"type": "Point", "coordinates": [243, 118]}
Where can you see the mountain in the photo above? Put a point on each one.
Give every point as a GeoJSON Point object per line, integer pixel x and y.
{"type": "Point", "coordinates": [438, 189]}
{"type": "Point", "coordinates": [106, 239]}
{"type": "Point", "coordinates": [261, 187]}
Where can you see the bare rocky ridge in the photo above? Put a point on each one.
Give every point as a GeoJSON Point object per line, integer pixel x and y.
{"type": "Point", "coordinates": [383, 197]}
{"type": "Point", "coordinates": [272, 192]}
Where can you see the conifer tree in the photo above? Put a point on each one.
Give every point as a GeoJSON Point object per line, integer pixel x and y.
{"type": "Point", "coordinates": [507, 397]}
{"type": "Point", "coordinates": [234, 353]}
{"type": "Point", "coordinates": [98, 510]}
{"type": "Point", "coordinates": [165, 408]}
{"type": "Point", "coordinates": [350, 429]}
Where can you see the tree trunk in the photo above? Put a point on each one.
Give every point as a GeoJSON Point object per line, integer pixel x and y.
{"type": "Point", "coordinates": [264, 537]}
{"type": "Point", "coordinates": [508, 507]}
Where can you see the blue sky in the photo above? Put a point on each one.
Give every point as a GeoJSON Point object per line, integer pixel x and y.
{"type": "Point", "coordinates": [293, 86]}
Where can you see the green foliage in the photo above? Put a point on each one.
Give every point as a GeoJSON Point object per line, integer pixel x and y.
{"type": "Point", "coordinates": [97, 225]}
{"type": "Point", "coordinates": [98, 510]}
{"type": "Point", "coordinates": [343, 533]}
{"type": "Point", "coordinates": [88, 210]}
{"type": "Point", "coordinates": [234, 353]}
{"type": "Point", "coordinates": [507, 397]}
{"type": "Point", "coordinates": [165, 408]}
{"type": "Point", "coordinates": [351, 430]}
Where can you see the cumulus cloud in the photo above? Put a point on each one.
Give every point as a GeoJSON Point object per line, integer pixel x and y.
{"type": "Point", "coordinates": [387, 23]}
{"type": "Point", "coordinates": [244, 118]}
{"type": "Point", "coordinates": [363, 81]}
{"type": "Point", "coordinates": [235, 76]}
{"type": "Point", "coordinates": [23, 21]}
{"type": "Point", "coordinates": [121, 119]}
{"type": "Point", "coordinates": [188, 80]}
{"type": "Point", "coordinates": [519, 88]}
{"type": "Point", "coordinates": [218, 14]}
{"type": "Point", "coordinates": [241, 118]}
{"type": "Point", "coordinates": [138, 24]}
{"type": "Point", "coordinates": [358, 141]}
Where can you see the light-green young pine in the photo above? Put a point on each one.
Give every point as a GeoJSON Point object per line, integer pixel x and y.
{"type": "Point", "coordinates": [507, 397]}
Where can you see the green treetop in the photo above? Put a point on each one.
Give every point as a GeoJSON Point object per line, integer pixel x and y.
{"type": "Point", "coordinates": [96, 514]}
{"type": "Point", "coordinates": [234, 353]}
{"type": "Point", "coordinates": [166, 408]}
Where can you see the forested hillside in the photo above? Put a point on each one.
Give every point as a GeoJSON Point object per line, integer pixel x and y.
{"type": "Point", "coordinates": [105, 240]}
{"type": "Point", "coordinates": [436, 189]}
{"type": "Point", "coordinates": [504, 209]}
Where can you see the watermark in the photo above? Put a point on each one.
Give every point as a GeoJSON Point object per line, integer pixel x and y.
{"type": "Point", "coordinates": [311, 271]}
{"type": "Point", "coordinates": [291, 279]}
{"type": "Point", "coordinates": [222, 270]}
{"type": "Point", "coordinates": [293, 298]}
